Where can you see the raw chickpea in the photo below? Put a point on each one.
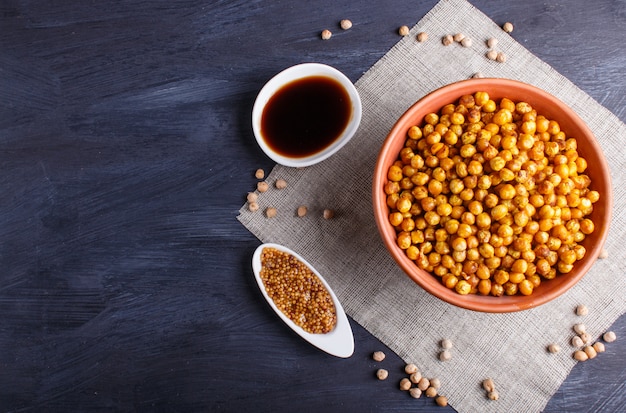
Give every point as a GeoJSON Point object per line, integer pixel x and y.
{"type": "Point", "coordinates": [415, 392]}
{"type": "Point", "coordinates": [378, 356]}
{"type": "Point", "coordinates": [441, 401]}
{"type": "Point", "coordinates": [405, 384]}
{"type": "Point", "coordinates": [382, 374]}
{"type": "Point", "coordinates": [609, 336]}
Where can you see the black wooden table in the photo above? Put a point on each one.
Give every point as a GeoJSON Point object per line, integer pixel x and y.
{"type": "Point", "coordinates": [125, 153]}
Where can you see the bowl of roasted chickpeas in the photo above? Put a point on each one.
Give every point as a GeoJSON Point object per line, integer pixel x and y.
{"type": "Point", "coordinates": [493, 195]}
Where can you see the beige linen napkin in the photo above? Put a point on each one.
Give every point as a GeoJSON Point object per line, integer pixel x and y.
{"type": "Point", "coordinates": [347, 250]}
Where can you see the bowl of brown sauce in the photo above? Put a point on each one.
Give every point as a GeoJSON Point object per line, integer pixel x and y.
{"type": "Point", "coordinates": [305, 114]}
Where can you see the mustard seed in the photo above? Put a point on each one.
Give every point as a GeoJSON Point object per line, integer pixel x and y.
{"type": "Point", "coordinates": [422, 37]}
{"type": "Point", "coordinates": [326, 34]}
{"type": "Point", "coordinates": [259, 174]}
{"type": "Point", "coordinates": [262, 186]}
{"type": "Point", "coordinates": [252, 197]}
{"type": "Point", "coordinates": [507, 27]}
{"type": "Point", "coordinates": [382, 374]}
{"type": "Point", "coordinates": [405, 384]}
{"type": "Point", "coordinates": [403, 31]}
{"type": "Point", "coordinates": [312, 308]}
{"type": "Point", "coordinates": [271, 212]}
{"type": "Point", "coordinates": [609, 337]}
{"type": "Point", "coordinates": [345, 24]}
{"type": "Point", "coordinates": [580, 355]}
{"type": "Point", "coordinates": [253, 207]}
{"type": "Point", "coordinates": [441, 401]}
{"type": "Point", "coordinates": [302, 210]}
{"type": "Point", "coordinates": [410, 368]}
{"type": "Point", "coordinates": [415, 392]}
{"type": "Point", "coordinates": [447, 40]}
{"type": "Point", "coordinates": [378, 356]}
{"type": "Point", "coordinates": [599, 347]}
{"type": "Point", "coordinates": [280, 184]}
{"type": "Point", "coordinates": [582, 310]}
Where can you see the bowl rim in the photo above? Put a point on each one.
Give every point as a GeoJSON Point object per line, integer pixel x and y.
{"type": "Point", "coordinates": [289, 75]}
{"type": "Point", "coordinates": [431, 284]}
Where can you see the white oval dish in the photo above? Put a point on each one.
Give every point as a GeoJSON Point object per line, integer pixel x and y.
{"type": "Point", "coordinates": [287, 76]}
{"type": "Point", "coordinates": [340, 341]}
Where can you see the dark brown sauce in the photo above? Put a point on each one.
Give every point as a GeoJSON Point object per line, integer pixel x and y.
{"type": "Point", "coordinates": [306, 116]}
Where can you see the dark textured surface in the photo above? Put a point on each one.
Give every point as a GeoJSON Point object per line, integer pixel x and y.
{"type": "Point", "coordinates": [125, 153]}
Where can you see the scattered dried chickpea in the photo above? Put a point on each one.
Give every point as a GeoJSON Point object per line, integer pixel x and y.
{"type": "Point", "coordinates": [446, 343]}
{"type": "Point", "coordinates": [582, 310]}
{"type": "Point", "coordinates": [326, 34]}
{"type": "Point", "coordinates": [585, 337]}
{"type": "Point", "coordinates": [603, 254]}
{"type": "Point", "coordinates": [492, 42]}
{"type": "Point", "coordinates": [445, 355]}
{"type": "Point", "coordinates": [493, 395]}
{"type": "Point", "coordinates": [599, 347]}
{"type": "Point", "coordinates": [447, 40]}
{"type": "Point", "coordinates": [270, 212]}
{"type": "Point", "coordinates": [554, 348]}
{"type": "Point", "coordinates": [280, 184]}
{"type": "Point", "coordinates": [577, 342]}
{"type": "Point", "coordinates": [435, 382]}
{"type": "Point", "coordinates": [259, 174]}
{"type": "Point", "coordinates": [345, 24]}
{"type": "Point", "coordinates": [253, 206]}
{"type": "Point", "coordinates": [403, 31]}
{"type": "Point", "coordinates": [489, 178]}
{"type": "Point", "coordinates": [328, 214]}
{"type": "Point", "coordinates": [405, 384]}
{"type": "Point", "coordinates": [580, 355]}
{"type": "Point", "coordinates": [609, 336]}
{"type": "Point", "coordinates": [507, 27]}
{"type": "Point", "coordinates": [466, 42]}
{"type": "Point", "coordinates": [415, 377]}
{"type": "Point", "coordinates": [500, 57]}
{"type": "Point", "coordinates": [579, 328]}
{"type": "Point", "coordinates": [478, 75]}
{"type": "Point", "coordinates": [382, 374]}
{"type": "Point", "coordinates": [378, 356]}
{"type": "Point", "coordinates": [415, 392]}
{"type": "Point", "coordinates": [422, 37]}
{"type": "Point", "coordinates": [458, 37]}
{"type": "Point", "coordinates": [262, 186]}
{"type": "Point", "coordinates": [423, 384]}
{"type": "Point", "coordinates": [431, 392]}
{"type": "Point", "coordinates": [410, 368]}
{"type": "Point", "coordinates": [252, 197]}
{"type": "Point", "coordinates": [492, 55]}
{"type": "Point", "coordinates": [441, 401]}
{"type": "Point", "coordinates": [489, 385]}
{"type": "Point", "coordinates": [302, 210]}
{"type": "Point", "coordinates": [590, 351]}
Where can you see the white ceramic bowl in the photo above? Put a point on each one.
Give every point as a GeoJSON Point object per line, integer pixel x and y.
{"type": "Point", "coordinates": [292, 74]}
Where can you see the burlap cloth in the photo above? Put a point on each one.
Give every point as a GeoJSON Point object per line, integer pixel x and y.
{"type": "Point", "coordinates": [348, 251]}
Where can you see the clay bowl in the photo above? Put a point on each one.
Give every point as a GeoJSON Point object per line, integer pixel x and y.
{"type": "Point", "coordinates": [545, 104]}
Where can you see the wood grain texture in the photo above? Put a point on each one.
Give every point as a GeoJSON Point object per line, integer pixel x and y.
{"type": "Point", "coordinates": [125, 153]}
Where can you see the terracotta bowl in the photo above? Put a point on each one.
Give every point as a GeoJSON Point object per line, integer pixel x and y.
{"type": "Point", "coordinates": [545, 104]}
